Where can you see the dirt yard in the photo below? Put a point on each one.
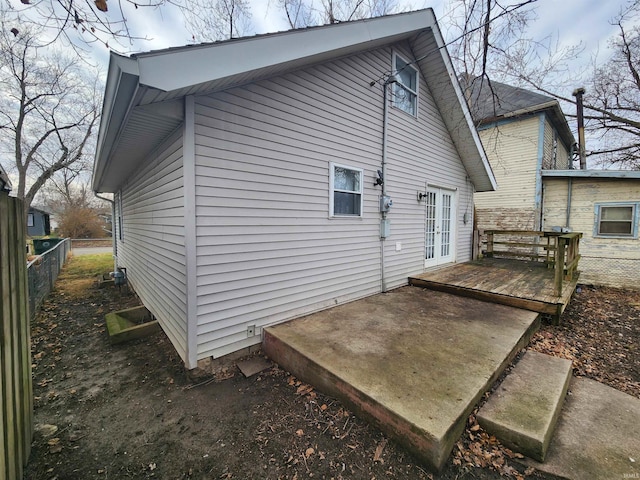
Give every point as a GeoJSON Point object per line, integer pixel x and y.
{"type": "Point", "coordinates": [131, 411]}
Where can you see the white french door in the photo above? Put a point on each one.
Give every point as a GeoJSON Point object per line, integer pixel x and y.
{"type": "Point", "coordinates": [439, 226]}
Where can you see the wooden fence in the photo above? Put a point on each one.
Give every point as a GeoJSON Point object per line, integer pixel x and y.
{"type": "Point", "coordinates": [16, 390]}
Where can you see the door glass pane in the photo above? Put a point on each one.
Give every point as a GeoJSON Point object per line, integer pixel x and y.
{"type": "Point", "coordinates": [430, 225]}
{"type": "Point", "coordinates": [445, 241]}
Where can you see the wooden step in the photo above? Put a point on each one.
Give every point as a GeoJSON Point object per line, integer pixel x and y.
{"type": "Point", "coordinates": [523, 411]}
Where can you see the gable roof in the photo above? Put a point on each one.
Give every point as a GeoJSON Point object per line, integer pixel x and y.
{"type": "Point", "coordinates": [41, 210]}
{"type": "Point", "coordinates": [491, 101]}
{"type": "Point", "coordinates": [143, 101]}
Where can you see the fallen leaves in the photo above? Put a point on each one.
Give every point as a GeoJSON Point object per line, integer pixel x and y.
{"type": "Point", "coordinates": [600, 333]}
{"type": "Point", "coordinates": [54, 445]}
{"type": "Point", "coordinates": [478, 449]}
{"type": "Point", "coordinates": [304, 389]}
{"type": "Point", "coordinates": [377, 456]}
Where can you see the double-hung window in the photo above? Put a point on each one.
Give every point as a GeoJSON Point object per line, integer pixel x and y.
{"type": "Point", "coordinates": [405, 90]}
{"type": "Point", "coordinates": [345, 191]}
{"type": "Point", "coordinates": [616, 220]}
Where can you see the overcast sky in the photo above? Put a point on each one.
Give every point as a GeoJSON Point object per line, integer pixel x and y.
{"type": "Point", "coordinates": [569, 21]}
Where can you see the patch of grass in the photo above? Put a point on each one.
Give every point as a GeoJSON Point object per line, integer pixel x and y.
{"type": "Point", "coordinates": [88, 266]}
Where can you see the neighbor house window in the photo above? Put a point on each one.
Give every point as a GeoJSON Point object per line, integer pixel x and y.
{"type": "Point", "coordinates": [30, 220]}
{"type": "Point", "coordinates": [345, 196]}
{"type": "Point", "coordinates": [616, 220]}
{"type": "Point", "coordinates": [405, 90]}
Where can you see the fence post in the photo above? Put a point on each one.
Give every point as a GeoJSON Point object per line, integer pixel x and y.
{"type": "Point", "coordinates": [16, 390]}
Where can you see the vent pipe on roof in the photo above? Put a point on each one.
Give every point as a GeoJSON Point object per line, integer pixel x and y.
{"type": "Point", "coordinates": [578, 93]}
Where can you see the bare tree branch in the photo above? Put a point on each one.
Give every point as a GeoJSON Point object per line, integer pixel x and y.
{"type": "Point", "coordinates": [51, 110]}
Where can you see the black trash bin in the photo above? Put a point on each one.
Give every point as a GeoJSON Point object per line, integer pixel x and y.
{"type": "Point", "coordinates": [41, 245]}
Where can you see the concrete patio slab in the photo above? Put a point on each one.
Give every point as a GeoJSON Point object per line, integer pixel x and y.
{"type": "Point", "coordinates": [413, 361]}
{"type": "Point", "coordinates": [522, 412]}
{"type": "Point", "coordinates": [598, 435]}
{"type": "Point", "coordinates": [253, 365]}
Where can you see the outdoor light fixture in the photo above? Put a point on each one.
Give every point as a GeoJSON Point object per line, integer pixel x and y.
{"type": "Point", "coordinates": [421, 196]}
{"type": "Point", "coordinates": [379, 180]}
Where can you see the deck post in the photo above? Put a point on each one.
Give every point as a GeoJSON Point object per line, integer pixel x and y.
{"type": "Point", "coordinates": [489, 252]}
{"type": "Point", "coordinates": [477, 244]}
{"type": "Point", "coordinates": [559, 265]}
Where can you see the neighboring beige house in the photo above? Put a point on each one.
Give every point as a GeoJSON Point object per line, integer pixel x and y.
{"type": "Point", "coordinates": [522, 133]}
{"type": "Point", "coordinates": [528, 142]}
{"type": "Point", "coordinates": [605, 206]}
{"type": "Point", "coordinates": [246, 182]}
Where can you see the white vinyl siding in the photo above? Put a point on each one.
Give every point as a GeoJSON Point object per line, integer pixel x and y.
{"type": "Point", "coordinates": [153, 250]}
{"type": "Point", "coordinates": [266, 249]}
{"type": "Point", "coordinates": [421, 153]}
{"type": "Point", "coordinates": [613, 261]}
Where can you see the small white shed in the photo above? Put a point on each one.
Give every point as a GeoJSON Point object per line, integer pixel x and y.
{"type": "Point", "coordinates": [252, 177]}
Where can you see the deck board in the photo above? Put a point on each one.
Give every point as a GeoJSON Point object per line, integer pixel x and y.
{"type": "Point", "coordinates": [523, 284]}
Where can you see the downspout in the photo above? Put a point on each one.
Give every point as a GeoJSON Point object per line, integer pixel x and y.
{"type": "Point", "coordinates": [569, 194]}
{"type": "Point", "coordinates": [385, 120]}
{"type": "Point", "coordinates": [113, 230]}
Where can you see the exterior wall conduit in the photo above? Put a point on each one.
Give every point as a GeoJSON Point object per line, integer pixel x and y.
{"type": "Point", "coordinates": [391, 79]}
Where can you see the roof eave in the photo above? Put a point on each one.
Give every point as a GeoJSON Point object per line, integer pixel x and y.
{"type": "Point", "coordinates": [193, 65]}
{"type": "Point", "coordinates": [482, 178]}
{"type": "Point", "coordinates": [594, 174]}
{"type": "Point", "coordinates": [121, 88]}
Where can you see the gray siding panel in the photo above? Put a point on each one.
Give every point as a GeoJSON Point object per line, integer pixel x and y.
{"type": "Point", "coordinates": [267, 250]}
{"type": "Point", "coordinates": [152, 248]}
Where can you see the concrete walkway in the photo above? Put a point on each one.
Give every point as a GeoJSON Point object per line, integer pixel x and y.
{"type": "Point", "coordinates": [91, 250]}
{"type": "Point", "coordinates": [598, 435]}
{"type": "Point", "coordinates": [414, 361]}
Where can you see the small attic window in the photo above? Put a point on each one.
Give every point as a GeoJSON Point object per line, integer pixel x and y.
{"type": "Point", "coordinates": [405, 90]}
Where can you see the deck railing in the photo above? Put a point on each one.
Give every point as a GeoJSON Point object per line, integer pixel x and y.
{"type": "Point", "coordinates": [560, 251]}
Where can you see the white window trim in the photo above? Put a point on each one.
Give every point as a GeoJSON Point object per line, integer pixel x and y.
{"type": "Point", "coordinates": [332, 167]}
{"type": "Point", "coordinates": [634, 220]}
{"type": "Point", "coordinates": [31, 220]}
{"type": "Point", "coordinates": [416, 92]}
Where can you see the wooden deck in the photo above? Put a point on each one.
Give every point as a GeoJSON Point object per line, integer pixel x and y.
{"type": "Point", "coordinates": [517, 283]}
